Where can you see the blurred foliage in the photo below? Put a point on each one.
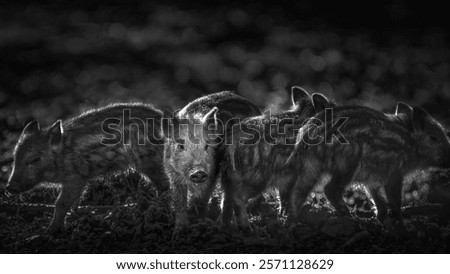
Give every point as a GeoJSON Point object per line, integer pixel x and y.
{"type": "Point", "coordinates": [57, 61]}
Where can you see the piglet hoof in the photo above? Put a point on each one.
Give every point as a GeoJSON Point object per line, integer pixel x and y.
{"type": "Point", "coordinates": [388, 224]}
{"type": "Point", "coordinates": [180, 231]}
{"type": "Point", "coordinates": [226, 229]}
{"type": "Point", "coordinates": [223, 226]}
{"type": "Point", "coordinates": [395, 226]}
{"type": "Point", "coordinates": [400, 229]}
{"type": "Point", "coordinates": [290, 222]}
{"type": "Point", "coordinates": [246, 230]}
{"type": "Point", "coordinates": [54, 229]}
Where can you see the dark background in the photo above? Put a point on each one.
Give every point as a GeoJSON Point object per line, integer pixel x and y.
{"type": "Point", "coordinates": [59, 58]}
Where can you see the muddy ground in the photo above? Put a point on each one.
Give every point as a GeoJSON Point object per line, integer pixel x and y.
{"type": "Point", "coordinates": [145, 225]}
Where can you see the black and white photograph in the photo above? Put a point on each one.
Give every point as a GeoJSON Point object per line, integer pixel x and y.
{"type": "Point", "coordinates": [224, 127]}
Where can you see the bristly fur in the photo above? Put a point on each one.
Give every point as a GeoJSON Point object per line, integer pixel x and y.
{"type": "Point", "coordinates": [72, 153]}
{"type": "Point", "coordinates": [381, 149]}
{"type": "Point", "coordinates": [182, 161]}
{"type": "Point", "coordinates": [251, 167]}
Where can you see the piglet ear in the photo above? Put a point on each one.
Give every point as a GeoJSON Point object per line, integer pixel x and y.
{"type": "Point", "coordinates": [55, 135]}
{"type": "Point", "coordinates": [320, 102]}
{"type": "Point", "coordinates": [31, 127]}
{"type": "Point", "coordinates": [298, 95]}
{"type": "Point", "coordinates": [209, 119]}
{"type": "Point", "coordinates": [403, 108]}
{"type": "Point", "coordinates": [210, 116]}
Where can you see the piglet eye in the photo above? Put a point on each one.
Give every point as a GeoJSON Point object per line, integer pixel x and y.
{"type": "Point", "coordinates": [181, 146]}
{"type": "Point", "coordinates": [433, 139]}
